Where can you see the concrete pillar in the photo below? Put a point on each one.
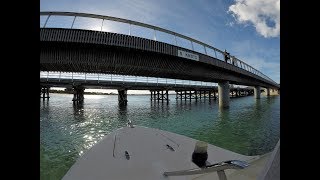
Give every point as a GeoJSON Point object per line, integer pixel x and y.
{"type": "Point", "coordinates": [268, 91]}
{"type": "Point", "coordinates": [167, 93]}
{"type": "Point", "coordinates": [209, 95]}
{"type": "Point", "coordinates": [223, 93]}
{"type": "Point", "coordinates": [185, 95]}
{"type": "Point", "coordinates": [158, 95]}
{"type": "Point", "coordinates": [48, 92]}
{"type": "Point", "coordinates": [43, 93]}
{"type": "Point", "coordinates": [196, 95]}
{"type": "Point", "coordinates": [162, 95]}
{"type": "Point", "coordinates": [151, 93]}
{"type": "Point", "coordinates": [122, 96]}
{"type": "Point", "coordinates": [257, 92]}
{"type": "Point", "coordinates": [78, 92]}
{"type": "Point", "coordinates": [214, 95]}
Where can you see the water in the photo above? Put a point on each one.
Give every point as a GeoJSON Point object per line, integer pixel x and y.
{"type": "Point", "coordinates": [249, 126]}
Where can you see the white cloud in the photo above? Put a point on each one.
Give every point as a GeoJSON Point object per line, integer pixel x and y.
{"type": "Point", "coordinates": [260, 14]}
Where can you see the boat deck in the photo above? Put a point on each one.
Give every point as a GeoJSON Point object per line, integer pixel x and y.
{"type": "Point", "coordinates": [150, 152]}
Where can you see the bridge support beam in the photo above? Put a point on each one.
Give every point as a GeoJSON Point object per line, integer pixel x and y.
{"type": "Point", "coordinates": [78, 92]}
{"type": "Point", "coordinates": [257, 92]}
{"type": "Point", "coordinates": [122, 96]}
{"type": "Point", "coordinates": [223, 92]}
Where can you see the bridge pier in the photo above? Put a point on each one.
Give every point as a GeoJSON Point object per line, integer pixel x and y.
{"type": "Point", "coordinates": [122, 96]}
{"type": "Point", "coordinates": [44, 91]}
{"type": "Point", "coordinates": [257, 92]}
{"type": "Point", "coordinates": [223, 92]}
{"type": "Point", "coordinates": [196, 95]}
{"type": "Point", "coordinates": [156, 95]}
{"type": "Point", "coordinates": [184, 94]}
{"type": "Point", "coordinates": [78, 92]}
{"type": "Point", "coordinates": [268, 91]}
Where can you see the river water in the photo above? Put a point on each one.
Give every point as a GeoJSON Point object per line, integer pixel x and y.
{"type": "Point", "coordinates": [249, 126]}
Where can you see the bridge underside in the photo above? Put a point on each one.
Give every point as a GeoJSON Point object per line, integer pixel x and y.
{"type": "Point", "coordinates": [75, 50]}
{"type": "Point", "coordinates": [92, 58]}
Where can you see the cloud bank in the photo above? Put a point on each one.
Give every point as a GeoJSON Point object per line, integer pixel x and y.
{"type": "Point", "coordinates": [264, 15]}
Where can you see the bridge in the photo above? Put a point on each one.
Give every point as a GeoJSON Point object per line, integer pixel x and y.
{"type": "Point", "coordinates": [79, 50]}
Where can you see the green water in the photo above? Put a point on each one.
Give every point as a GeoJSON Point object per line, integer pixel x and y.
{"type": "Point", "coordinates": [249, 126]}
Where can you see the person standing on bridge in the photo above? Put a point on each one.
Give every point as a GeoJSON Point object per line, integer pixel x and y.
{"type": "Point", "coordinates": [233, 60]}
{"type": "Point", "coordinates": [226, 56]}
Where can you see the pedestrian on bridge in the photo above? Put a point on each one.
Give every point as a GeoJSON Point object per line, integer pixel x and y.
{"type": "Point", "coordinates": [226, 56]}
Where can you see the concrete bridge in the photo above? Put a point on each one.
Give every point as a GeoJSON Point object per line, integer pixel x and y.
{"type": "Point", "coordinates": [95, 51]}
{"type": "Point", "coordinates": [159, 87]}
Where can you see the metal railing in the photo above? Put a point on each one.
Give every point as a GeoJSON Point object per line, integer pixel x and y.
{"type": "Point", "coordinates": [232, 60]}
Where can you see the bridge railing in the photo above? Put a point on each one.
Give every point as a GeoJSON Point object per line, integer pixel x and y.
{"type": "Point", "coordinates": [72, 76]}
{"type": "Point", "coordinates": [183, 40]}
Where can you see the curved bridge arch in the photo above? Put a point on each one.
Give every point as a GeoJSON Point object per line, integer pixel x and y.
{"type": "Point", "coordinates": [78, 50]}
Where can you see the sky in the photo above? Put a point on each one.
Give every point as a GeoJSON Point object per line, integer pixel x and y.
{"type": "Point", "coordinates": [247, 29]}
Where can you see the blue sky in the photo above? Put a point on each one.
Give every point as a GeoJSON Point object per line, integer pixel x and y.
{"type": "Point", "coordinates": [248, 29]}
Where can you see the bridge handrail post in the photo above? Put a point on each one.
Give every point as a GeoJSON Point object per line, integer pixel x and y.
{"type": "Point", "coordinates": [46, 21]}
{"type": "Point", "coordinates": [101, 25]}
{"type": "Point", "coordinates": [154, 35]}
{"type": "Point", "coordinates": [59, 75]}
{"type": "Point", "coordinates": [175, 38]}
{"type": "Point", "coordinates": [205, 50]}
{"type": "Point", "coordinates": [73, 21]}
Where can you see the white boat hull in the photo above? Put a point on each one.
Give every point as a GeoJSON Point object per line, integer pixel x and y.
{"type": "Point", "coordinates": [151, 153]}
